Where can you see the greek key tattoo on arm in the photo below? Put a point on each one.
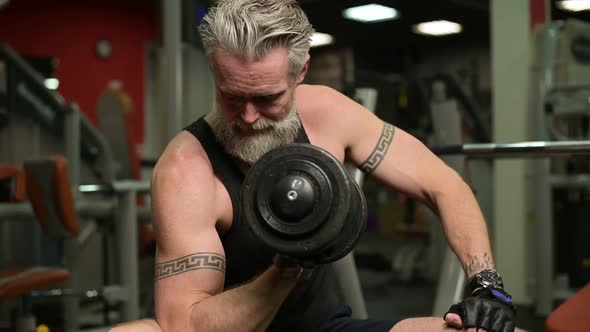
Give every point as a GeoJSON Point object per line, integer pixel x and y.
{"type": "Point", "coordinates": [380, 150]}
{"type": "Point", "coordinates": [479, 264]}
{"type": "Point", "coordinates": [196, 261]}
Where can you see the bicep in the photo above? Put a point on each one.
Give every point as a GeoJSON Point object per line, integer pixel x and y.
{"type": "Point", "coordinates": [190, 261]}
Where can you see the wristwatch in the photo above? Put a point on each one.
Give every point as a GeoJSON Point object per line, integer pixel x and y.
{"type": "Point", "coordinates": [486, 279]}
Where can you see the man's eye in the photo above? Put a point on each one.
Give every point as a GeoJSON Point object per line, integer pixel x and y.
{"type": "Point", "coordinates": [265, 99]}
{"type": "Point", "coordinates": [233, 99]}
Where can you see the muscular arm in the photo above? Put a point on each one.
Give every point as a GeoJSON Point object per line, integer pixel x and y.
{"type": "Point", "coordinates": [405, 164]}
{"type": "Point", "coordinates": [410, 167]}
{"type": "Point", "coordinates": [190, 261]}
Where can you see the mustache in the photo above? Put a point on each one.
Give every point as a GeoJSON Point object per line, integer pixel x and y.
{"type": "Point", "coordinates": [260, 124]}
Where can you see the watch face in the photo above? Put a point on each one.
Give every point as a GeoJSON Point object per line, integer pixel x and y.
{"type": "Point", "coordinates": [490, 279]}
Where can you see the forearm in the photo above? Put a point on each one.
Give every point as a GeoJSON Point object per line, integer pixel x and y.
{"type": "Point", "coordinates": [464, 226]}
{"type": "Point", "coordinates": [250, 307]}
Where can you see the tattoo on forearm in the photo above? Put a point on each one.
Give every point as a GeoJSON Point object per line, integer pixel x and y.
{"type": "Point", "coordinates": [380, 150]}
{"type": "Point", "coordinates": [479, 264]}
{"type": "Point", "coordinates": [196, 261]}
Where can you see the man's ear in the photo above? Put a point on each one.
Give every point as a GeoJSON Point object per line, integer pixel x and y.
{"type": "Point", "coordinates": [303, 72]}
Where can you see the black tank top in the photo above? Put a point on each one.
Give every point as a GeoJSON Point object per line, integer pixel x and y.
{"type": "Point", "coordinates": [312, 299]}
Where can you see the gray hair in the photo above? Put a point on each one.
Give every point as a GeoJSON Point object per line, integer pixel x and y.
{"type": "Point", "coordinates": [252, 28]}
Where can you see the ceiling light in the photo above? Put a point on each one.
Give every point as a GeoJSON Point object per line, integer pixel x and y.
{"type": "Point", "coordinates": [437, 28]}
{"type": "Point", "coordinates": [321, 39]}
{"type": "Point", "coordinates": [574, 5]}
{"type": "Point", "coordinates": [370, 13]}
{"type": "Point", "coordinates": [51, 83]}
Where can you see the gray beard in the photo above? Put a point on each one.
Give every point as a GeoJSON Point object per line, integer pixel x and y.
{"type": "Point", "coordinates": [250, 148]}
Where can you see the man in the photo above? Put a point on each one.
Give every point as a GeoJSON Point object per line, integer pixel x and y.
{"type": "Point", "coordinates": [258, 53]}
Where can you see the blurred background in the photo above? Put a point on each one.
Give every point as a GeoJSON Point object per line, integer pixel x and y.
{"type": "Point", "coordinates": [106, 84]}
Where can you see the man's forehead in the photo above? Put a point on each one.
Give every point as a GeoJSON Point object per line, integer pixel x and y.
{"type": "Point", "coordinates": [262, 92]}
{"type": "Point", "coordinates": [261, 77]}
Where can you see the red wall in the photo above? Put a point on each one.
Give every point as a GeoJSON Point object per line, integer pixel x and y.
{"type": "Point", "coordinates": [68, 31]}
{"type": "Point", "coordinates": [538, 12]}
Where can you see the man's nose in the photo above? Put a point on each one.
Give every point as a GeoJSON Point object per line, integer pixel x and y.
{"type": "Point", "coordinates": [249, 113]}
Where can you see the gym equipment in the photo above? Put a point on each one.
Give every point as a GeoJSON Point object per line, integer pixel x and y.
{"type": "Point", "coordinates": [52, 204]}
{"type": "Point", "coordinates": [24, 281]}
{"type": "Point", "coordinates": [300, 201]}
{"type": "Point", "coordinates": [43, 123]}
{"type": "Point", "coordinates": [514, 150]}
{"type": "Point", "coordinates": [559, 80]}
{"type": "Point", "coordinates": [453, 275]}
{"type": "Point", "coordinates": [562, 87]}
{"type": "Point", "coordinates": [30, 109]}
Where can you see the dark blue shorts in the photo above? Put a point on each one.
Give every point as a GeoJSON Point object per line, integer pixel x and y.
{"type": "Point", "coordinates": [340, 321]}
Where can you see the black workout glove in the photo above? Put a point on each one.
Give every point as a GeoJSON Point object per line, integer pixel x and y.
{"type": "Point", "coordinates": [489, 309]}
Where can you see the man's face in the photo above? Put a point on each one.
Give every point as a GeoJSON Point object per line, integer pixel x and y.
{"type": "Point", "coordinates": [256, 103]}
{"type": "Point", "coordinates": [252, 89]}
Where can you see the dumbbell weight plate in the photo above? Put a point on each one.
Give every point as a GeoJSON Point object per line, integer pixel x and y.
{"type": "Point", "coordinates": [353, 229]}
{"type": "Point", "coordinates": [321, 225]}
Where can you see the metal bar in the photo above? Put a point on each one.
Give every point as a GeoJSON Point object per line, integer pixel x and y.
{"type": "Point", "coordinates": [87, 209]}
{"type": "Point", "coordinates": [567, 87]}
{"type": "Point", "coordinates": [96, 188]}
{"type": "Point", "coordinates": [130, 185]}
{"type": "Point", "coordinates": [72, 144]}
{"type": "Point", "coordinates": [71, 303]}
{"type": "Point", "coordinates": [569, 181]}
{"type": "Point", "coordinates": [126, 226]}
{"type": "Point", "coordinates": [519, 150]}
{"type": "Point", "coordinates": [90, 209]}
{"type": "Point", "coordinates": [544, 249]}
{"type": "Point", "coordinates": [117, 186]}
{"type": "Point", "coordinates": [71, 246]}
{"type": "Point", "coordinates": [543, 208]}
{"type": "Point", "coordinates": [172, 18]}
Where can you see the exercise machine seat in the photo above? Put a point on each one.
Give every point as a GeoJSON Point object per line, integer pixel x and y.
{"type": "Point", "coordinates": [22, 281]}
{"type": "Point", "coordinates": [49, 190]}
{"type": "Point", "coordinates": [573, 315]}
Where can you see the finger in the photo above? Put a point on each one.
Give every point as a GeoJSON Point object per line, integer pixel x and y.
{"type": "Point", "coordinates": [454, 320]}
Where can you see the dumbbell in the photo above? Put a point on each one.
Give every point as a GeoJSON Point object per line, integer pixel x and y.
{"type": "Point", "coordinates": [299, 201]}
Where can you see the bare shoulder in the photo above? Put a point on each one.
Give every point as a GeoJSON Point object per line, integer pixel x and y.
{"type": "Point", "coordinates": [329, 112]}
{"type": "Point", "coordinates": [324, 103]}
{"type": "Point", "coordinates": [182, 154]}
{"type": "Point", "coordinates": [185, 194]}
{"type": "Point", "coordinates": [320, 97]}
